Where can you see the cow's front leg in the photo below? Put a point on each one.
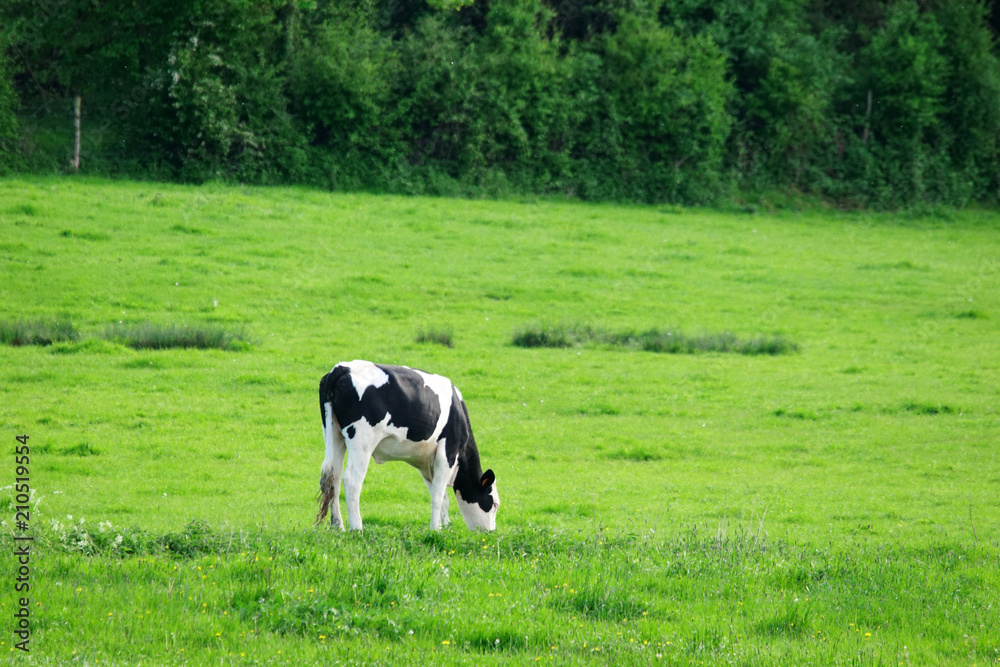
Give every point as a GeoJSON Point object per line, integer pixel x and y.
{"type": "Point", "coordinates": [445, 519]}
{"type": "Point", "coordinates": [439, 511]}
{"type": "Point", "coordinates": [438, 503]}
{"type": "Point", "coordinates": [354, 477]}
{"type": "Point", "coordinates": [441, 476]}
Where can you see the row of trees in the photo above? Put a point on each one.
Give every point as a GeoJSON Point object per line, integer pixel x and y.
{"type": "Point", "coordinates": [872, 102]}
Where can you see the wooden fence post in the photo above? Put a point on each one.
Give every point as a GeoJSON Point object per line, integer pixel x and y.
{"type": "Point", "coordinates": [75, 160]}
{"type": "Point", "coordinates": [868, 115]}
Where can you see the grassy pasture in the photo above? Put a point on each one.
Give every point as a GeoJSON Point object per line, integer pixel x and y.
{"type": "Point", "coordinates": [836, 504]}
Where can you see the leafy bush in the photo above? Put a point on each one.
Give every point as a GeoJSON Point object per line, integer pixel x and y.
{"type": "Point", "coordinates": [970, 116]}
{"type": "Point", "coordinates": [523, 106]}
{"type": "Point", "coordinates": [215, 105]}
{"type": "Point", "coordinates": [438, 97]}
{"type": "Point", "coordinates": [82, 449]}
{"type": "Point", "coordinates": [899, 148]}
{"type": "Point", "coordinates": [340, 82]}
{"type": "Point", "coordinates": [786, 79]}
{"type": "Point", "coordinates": [8, 120]}
{"type": "Point", "coordinates": [652, 112]}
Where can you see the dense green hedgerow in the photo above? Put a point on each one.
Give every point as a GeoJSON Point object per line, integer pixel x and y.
{"type": "Point", "coordinates": [886, 104]}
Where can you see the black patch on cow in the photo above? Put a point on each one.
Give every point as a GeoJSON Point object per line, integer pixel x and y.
{"type": "Point", "coordinates": [485, 497]}
{"type": "Point", "coordinates": [410, 403]}
{"type": "Point", "coordinates": [457, 433]}
{"type": "Point", "coordinates": [351, 431]}
{"type": "Point", "coordinates": [470, 481]}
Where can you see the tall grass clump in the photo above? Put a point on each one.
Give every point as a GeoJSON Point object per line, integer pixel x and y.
{"type": "Point", "coordinates": [563, 335]}
{"type": "Point", "coordinates": [37, 332]}
{"type": "Point", "coordinates": [669, 341]}
{"type": "Point", "coordinates": [540, 335]}
{"type": "Point", "coordinates": [148, 336]}
{"type": "Point", "coordinates": [676, 342]}
{"type": "Point", "coordinates": [443, 337]}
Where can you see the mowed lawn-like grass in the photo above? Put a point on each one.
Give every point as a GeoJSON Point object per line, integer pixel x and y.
{"type": "Point", "coordinates": [838, 503]}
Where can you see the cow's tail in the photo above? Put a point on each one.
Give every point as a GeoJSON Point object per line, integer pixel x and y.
{"type": "Point", "coordinates": [328, 482]}
{"type": "Point", "coordinates": [327, 495]}
{"type": "Point", "coordinates": [328, 477]}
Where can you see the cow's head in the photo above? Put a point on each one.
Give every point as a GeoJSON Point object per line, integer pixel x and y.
{"type": "Point", "coordinates": [480, 511]}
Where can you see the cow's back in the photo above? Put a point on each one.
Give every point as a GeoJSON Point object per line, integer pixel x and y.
{"type": "Point", "coordinates": [362, 390]}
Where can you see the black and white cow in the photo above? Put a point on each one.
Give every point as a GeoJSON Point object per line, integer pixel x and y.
{"type": "Point", "coordinates": [394, 413]}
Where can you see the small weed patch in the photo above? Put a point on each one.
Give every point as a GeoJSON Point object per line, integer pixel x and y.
{"type": "Point", "coordinates": [86, 236]}
{"type": "Point", "coordinates": [86, 346]}
{"type": "Point", "coordinates": [544, 336]}
{"type": "Point", "coordinates": [439, 336]}
{"type": "Point", "coordinates": [37, 332]}
{"type": "Point", "coordinates": [186, 229]}
{"type": "Point", "coordinates": [196, 539]}
{"type": "Point", "coordinates": [83, 449]}
{"type": "Point", "coordinates": [23, 209]}
{"type": "Point", "coordinates": [497, 640]}
{"type": "Point", "coordinates": [796, 414]}
{"type": "Point", "coordinates": [606, 604]}
{"type": "Point", "coordinates": [147, 336]}
{"type": "Point", "coordinates": [669, 341]}
{"type": "Point", "coordinates": [790, 622]}
{"type": "Point", "coordinates": [639, 454]}
{"type": "Point", "coordinates": [928, 408]}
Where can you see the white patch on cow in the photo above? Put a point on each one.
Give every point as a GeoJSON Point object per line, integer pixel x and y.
{"type": "Point", "coordinates": [441, 386]}
{"type": "Point", "coordinates": [379, 441]}
{"type": "Point", "coordinates": [475, 517]}
{"type": "Point", "coordinates": [364, 374]}
{"type": "Point", "coordinates": [420, 455]}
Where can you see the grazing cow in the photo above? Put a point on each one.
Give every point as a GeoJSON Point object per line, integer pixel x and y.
{"type": "Point", "coordinates": [394, 413]}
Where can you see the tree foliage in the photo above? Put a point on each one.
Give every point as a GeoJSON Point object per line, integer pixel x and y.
{"type": "Point", "coordinates": [882, 103]}
{"type": "Point", "coordinates": [8, 119]}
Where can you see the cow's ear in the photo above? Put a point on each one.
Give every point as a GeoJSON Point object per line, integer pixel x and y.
{"type": "Point", "coordinates": [487, 479]}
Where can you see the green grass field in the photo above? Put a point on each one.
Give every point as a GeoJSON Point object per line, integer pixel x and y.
{"type": "Point", "coordinates": [838, 503]}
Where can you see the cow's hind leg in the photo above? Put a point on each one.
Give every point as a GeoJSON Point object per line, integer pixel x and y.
{"type": "Point", "coordinates": [354, 477]}
{"type": "Point", "coordinates": [332, 471]}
